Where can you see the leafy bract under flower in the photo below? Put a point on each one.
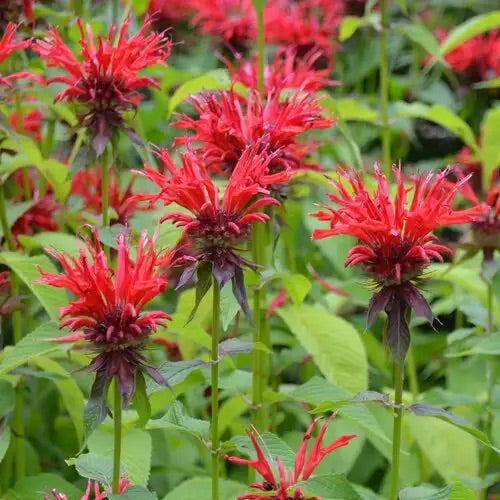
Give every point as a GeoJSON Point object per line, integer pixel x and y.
{"type": "Point", "coordinates": [106, 80]}
{"type": "Point", "coordinates": [280, 484]}
{"type": "Point", "coordinates": [107, 311]}
{"type": "Point", "coordinates": [215, 225]}
{"type": "Point", "coordinates": [395, 239]}
{"type": "Point", "coordinates": [228, 123]}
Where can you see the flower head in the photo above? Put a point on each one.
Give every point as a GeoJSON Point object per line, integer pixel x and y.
{"type": "Point", "coordinates": [106, 81]}
{"type": "Point", "coordinates": [215, 226]}
{"type": "Point", "coordinates": [8, 45]}
{"type": "Point", "coordinates": [287, 71]}
{"type": "Point", "coordinates": [108, 309]}
{"type": "Point", "coordinates": [93, 491]}
{"type": "Point", "coordinates": [277, 481]}
{"type": "Point", "coordinates": [39, 216]}
{"type": "Point", "coordinates": [31, 123]}
{"type": "Point", "coordinates": [227, 125]}
{"type": "Point", "coordinates": [88, 185]}
{"type": "Point", "coordinates": [395, 236]}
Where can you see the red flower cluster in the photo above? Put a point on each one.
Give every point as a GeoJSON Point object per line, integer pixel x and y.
{"type": "Point", "coordinates": [108, 309]}
{"type": "Point", "coordinates": [40, 216]}
{"type": "Point", "coordinates": [396, 240]}
{"type": "Point", "coordinates": [106, 82]}
{"type": "Point", "coordinates": [478, 57]}
{"type": "Point", "coordinates": [92, 488]}
{"type": "Point", "coordinates": [31, 123]}
{"type": "Point", "coordinates": [227, 124]}
{"type": "Point", "coordinates": [8, 45]}
{"type": "Point", "coordinates": [280, 487]}
{"type": "Point", "coordinates": [286, 72]}
{"type": "Point", "coordinates": [215, 226]}
{"type": "Point", "coordinates": [87, 184]}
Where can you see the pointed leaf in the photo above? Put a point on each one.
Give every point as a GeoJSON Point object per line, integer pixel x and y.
{"type": "Point", "coordinates": [240, 293]}
{"type": "Point", "coordinates": [378, 303]}
{"type": "Point", "coordinates": [96, 408]}
{"type": "Point", "coordinates": [331, 486]}
{"type": "Point", "coordinates": [141, 400]}
{"type": "Point", "coordinates": [397, 332]}
{"type": "Point", "coordinates": [203, 283]}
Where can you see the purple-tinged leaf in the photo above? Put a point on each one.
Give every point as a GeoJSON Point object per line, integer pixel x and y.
{"type": "Point", "coordinates": [378, 303]}
{"type": "Point", "coordinates": [133, 136]}
{"type": "Point", "coordinates": [223, 271]}
{"type": "Point", "coordinates": [418, 303]}
{"type": "Point", "coordinates": [240, 293]}
{"type": "Point", "coordinates": [203, 284]}
{"type": "Point", "coordinates": [186, 276]}
{"type": "Point", "coordinates": [397, 334]}
{"type": "Point", "coordinates": [96, 410]}
{"type": "Point", "coordinates": [234, 346]}
{"type": "Point", "coordinates": [372, 396]}
{"type": "Point", "coordinates": [101, 137]}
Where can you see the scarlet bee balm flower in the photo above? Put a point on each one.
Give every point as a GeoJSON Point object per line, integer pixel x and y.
{"type": "Point", "coordinates": [282, 486]}
{"type": "Point", "coordinates": [106, 82]}
{"type": "Point", "coordinates": [107, 311]}
{"type": "Point", "coordinates": [215, 227]}
{"type": "Point", "coordinates": [396, 240]}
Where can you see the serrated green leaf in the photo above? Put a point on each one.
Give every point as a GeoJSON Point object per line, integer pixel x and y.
{"type": "Point", "coordinates": [95, 467]}
{"type": "Point", "coordinates": [35, 487]}
{"type": "Point", "coordinates": [36, 343]}
{"type": "Point", "coordinates": [62, 242]}
{"type": "Point", "coordinates": [329, 486]}
{"type": "Point", "coordinates": [333, 343]}
{"type": "Point", "coordinates": [470, 28]}
{"type": "Point", "coordinates": [26, 268]}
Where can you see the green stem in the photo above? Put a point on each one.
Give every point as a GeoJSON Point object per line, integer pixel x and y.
{"type": "Point", "coordinates": [46, 151]}
{"type": "Point", "coordinates": [489, 286]}
{"type": "Point", "coordinates": [396, 432]}
{"type": "Point", "coordinates": [260, 334]}
{"type": "Point", "coordinates": [117, 426]}
{"type": "Point", "coordinates": [114, 12]}
{"type": "Point", "coordinates": [214, 424]}
{"type": "Point", "coordinates": [384, 90]}
{"type": "Point", "coordinates": [105, 189]}
{"type": "Point", "coordinates": [80, 136]}
{"type": "Point", "coordinates": [17, 424]}
{"type": "Point", "coordinates": [261, 56]}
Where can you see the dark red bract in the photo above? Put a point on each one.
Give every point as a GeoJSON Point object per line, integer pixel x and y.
{"type": "Point", "coordinates": [106, 81]}
{"type": "Point", "coordinates": [107, 311]}
{"type": "Point", "coordinates": [282, 485]}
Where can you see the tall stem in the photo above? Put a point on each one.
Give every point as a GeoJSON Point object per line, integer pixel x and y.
{"type": "Point", "coordinates": [384, 90]}
{"type": "Point", "coordinates": [396, 432]}
{"type": "Point", "coordinates": [260, 49]}
{"type": "Point", "coordinates": [105, 188]}
{"type": "Point", "coordinates": [117, 426]}
{"type": "Point", "coordinates": [214, 424]}
{"type": "Point", "coordinates": [17, 424]}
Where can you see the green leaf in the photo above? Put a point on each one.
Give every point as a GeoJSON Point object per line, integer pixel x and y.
{"type": "Point", "coordinates": [420, 35]}
{"type": "Point", "coordinates": [457, 491]}
{"type": "Point", "coordinates": [136, 452]}
{"type": "Point", "coordinates": [62, 242]}
{"type": "Point", "coordinates": [228, 307]}
{"type": "Point", "coordinates": [26, 268]}
{"type": "Point", "coordinates": [34, 487]}
{"type": "Point", "coordinates": [351, 24]}
{"type": "Point", "coordinates": [141, 400]}
{"type": "Point", "coordinates": [330, 486]}
{"type": "Point", "coordinates": [442, 116]}
{"type": "Point", "coordinates": [333, 343]}
{"type": "Point", "coordinates": [5, 434]}
{"type": "Point", "coordinates": [134, 493]}
{"type": "Point", "coordinates": [176, 372]}
{"type": "Point", "coordinates": [177, 418]}
{"type": "Point", "coordinates": [7, 396]}
{"type": "Point", "coordinates": [96, 409]}
{"type": "Point", "coordinates": [203, 284]}
{"type": "Point", "coordinates": [486, 346]}
{"type": "Point", "coordinates": [14, 211]}
{"type": "Point", "coordinates": [470, 28]}
{"type": "Point", "coordinates": [217, 79]}
{"type": "Point", "coordinates": [70, 393]}
{"type": "Point", "coordinates": [348, 109]}
{"type": "Point", "coordinates": [201, 489]}
{"type": "Point", "coordinates": [490, 147]}
{"type": "Point", "coordinates": [36, 343]}
{"type": "Point", "coordinates": [452, 451]}
{"type": "Point", "coordinates": [95, 467]}
{"type": "Point", "coordinates": [494, 83]}
{"type": "Point", "coordinates": [140, 6]}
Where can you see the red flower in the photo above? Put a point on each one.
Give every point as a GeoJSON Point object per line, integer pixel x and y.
{"type": "Point", "coordinates": [288, 71]}
{"type": "Point", "coordinates": [31, 123]}
{"type": "Point", "coordinates": [169, 11]}
{"type": "Point", "coordinates": [227, 125]}
{"type": "Point", "coordinates": [215, 226]}
{"type": "Point", "coordinates": [7, 46]}
{"type": "Point", "coordinates": [106, 82]}
{"type": "Point", "coordinates": [107, 311]}
{"type": "Point", "coordinates": [396, 240]}
{"type": "Point", "coordinates": [93, 490]}
{"type": "Point", "coordinates": [88, 185]}
{"type": "Point", "coordinates": [233, 21]}
{"type": "Point", "coordinates": [303, 468]}
{"type": "Point", "coordinates": [40, 216]}
{"type": "Point", "coordinates": [306, 25]}
{"type": "Point", "coordinates": [489, 63]}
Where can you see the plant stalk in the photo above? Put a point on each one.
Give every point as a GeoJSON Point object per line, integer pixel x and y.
{"type": "Point", "coordinates": [214, 369]}
{"type": "Point", "coordinates": [17, 424]}
{"type": "Point", "coordinates": [105, 189]}
{"type": "Point", "coordinates": [384, 90]}
{"type": "Point", "coordinates": [396, 432]}
{"type": "Point", "coordinates": [261, 56]}
{"type": "Point", "coordinates": [117, 428]}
